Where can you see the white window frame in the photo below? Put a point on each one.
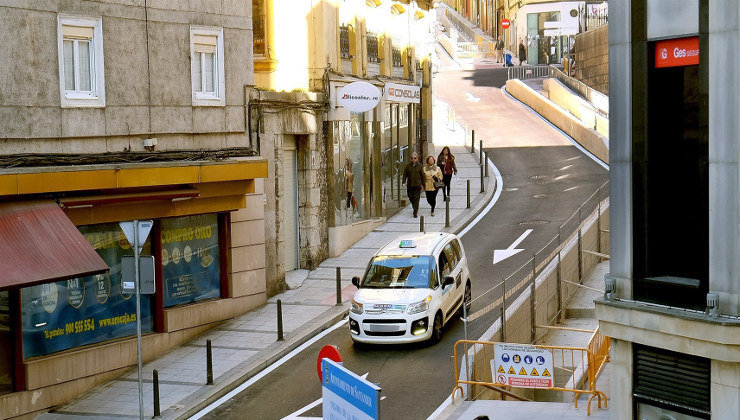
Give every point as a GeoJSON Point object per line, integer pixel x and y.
{"type": "Point", "coordinates": [96, 97]}
{"type": "Point", "coordinates": [218, 98]}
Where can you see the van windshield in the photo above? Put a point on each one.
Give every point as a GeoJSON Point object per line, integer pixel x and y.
{"type": "Point", "coordinates": [408, 272]}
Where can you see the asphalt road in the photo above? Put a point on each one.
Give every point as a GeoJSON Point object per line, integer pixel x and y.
{"type": "Point", "coordinates": [545, 180]}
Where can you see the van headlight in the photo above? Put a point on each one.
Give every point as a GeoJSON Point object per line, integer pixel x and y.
{"type": "Point", "coordinates": [356, 307]}
{"type": "Point", "coordinates": [417, 307]}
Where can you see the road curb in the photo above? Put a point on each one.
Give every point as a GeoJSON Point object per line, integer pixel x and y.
{"type": "Point", "coordinates": [208, 394]}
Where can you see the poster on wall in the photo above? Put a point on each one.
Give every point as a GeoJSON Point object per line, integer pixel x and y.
{"type": "Point", "coordinates": [71, 313]}
{"type": "Point", "coordinates": [190, 259]}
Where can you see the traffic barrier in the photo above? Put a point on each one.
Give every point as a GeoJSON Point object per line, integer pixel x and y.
{"type": "Point", "coordinates": [575, 369]}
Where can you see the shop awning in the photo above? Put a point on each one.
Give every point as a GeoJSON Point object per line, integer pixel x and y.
{"type": "Point", "coordinates": [39, 244]}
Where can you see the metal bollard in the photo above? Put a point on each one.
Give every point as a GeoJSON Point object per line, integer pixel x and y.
{"type": "Point", "coordinates": [468, 206]}
{"type": "Point", "coordinates": [447, 213]}
{"type": "Point", "coordinates": [421, 224]}
{"type": "Point", "coordinates": [480, 152]}
{"type": "Point", "coordinates": [482, 186]}
{"type": "Point", "coordinates": [209, 363]}
{"type": "Point", "coordinates": [155, 386]}
{"type": "Point", "coordinates": [339, 286]}
{"type": "Point", "coordinates": [485, 163]}
{"type": "Point", "coordinates": [472, 143]}
{"type": "Point", "coordinates": [280, 319]}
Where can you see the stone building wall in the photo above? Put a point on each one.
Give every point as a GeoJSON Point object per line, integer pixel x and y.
{"type": "Point", "coordinates": [592, 58]}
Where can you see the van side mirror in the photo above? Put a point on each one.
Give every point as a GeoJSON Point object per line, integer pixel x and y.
{"type": "Point", "coordinates": [356, 281]}
{"type": "Point", "coordinates": [448, 281]}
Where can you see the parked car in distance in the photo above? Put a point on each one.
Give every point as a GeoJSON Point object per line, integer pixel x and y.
{"type": "Point", "coordinates": [411, 288]}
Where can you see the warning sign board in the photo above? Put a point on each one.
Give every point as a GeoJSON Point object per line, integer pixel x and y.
{"type": "Point", "coordinates": [522, 366]}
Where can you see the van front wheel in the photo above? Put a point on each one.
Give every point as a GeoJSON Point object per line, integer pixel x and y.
{"type": "Point", "coordinates": [436, 329]}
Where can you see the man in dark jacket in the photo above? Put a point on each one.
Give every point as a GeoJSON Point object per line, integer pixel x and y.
{"type": "Point", "coordinates": [413, 179]}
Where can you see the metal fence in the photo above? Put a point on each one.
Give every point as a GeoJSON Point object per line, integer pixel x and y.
{"type": "Point", "coordinates": [528, 72]}
{"type": "Point", "coordinates": [537, 292]}
{"type": "Point", "coordinates": [372, 47]}
{"type": "Point", "coordinates": [397, 57]}
{"type": "Point", "coordinates": [344, 41]}
{"type": "Point", "coordinates": [575, 369]}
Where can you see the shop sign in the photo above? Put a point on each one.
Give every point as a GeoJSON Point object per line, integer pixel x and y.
{"type": "Point", "coordinates": [677, 52]}
{"type": "Point", "coordinates": [522, 366]}
{"type": "Point", "coordinates": [359, 97]}
{"type": "Point", "coordinates": [505, 23]}
{"type": "Point", "coordinates": [395, 92]}
{"type": "Point", "coordinates": [346, 395]}
{"type": "Point", "coordinates": [190, 259]}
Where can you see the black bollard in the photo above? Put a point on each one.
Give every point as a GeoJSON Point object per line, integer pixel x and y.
{"type": "Point", "coordinates": [468, 206]}
{"type": "Point", "coordinates": [339, 286]}
{"type": "Point", "coordinates": [447, 213]}
{"type": "Point", "coordinates": [209, 363]}
{"type": "Point", "coordinates": [482, 186]}
{"type": "Point", "coordinates": [480, 150]}
{"type": "Point", "coordinates": [280, 319]}
{"type": "Point", "coordinates": [421, 224]}
{"type": "Point", "coordinates": [472, 144]}
{"type": "Point", "coordinates": [485, 163]}
{"type": "Point", "coordinates": [155, 385]}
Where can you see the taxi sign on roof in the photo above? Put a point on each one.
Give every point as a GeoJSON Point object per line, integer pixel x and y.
{"type": "Point", "coordinates": [407, 243]}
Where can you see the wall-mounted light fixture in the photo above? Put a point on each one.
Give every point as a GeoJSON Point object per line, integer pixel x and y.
{"type": "Point", "coordinates": [712, 304]}
{"type": "Point", "coordinates": [397, 9]}
{"type": "Point", "coordinates": [610, 287]}
{"type": "Point", "coordinates": [418, 15]}
{"type": "Point", "coordinates": [373, 3]}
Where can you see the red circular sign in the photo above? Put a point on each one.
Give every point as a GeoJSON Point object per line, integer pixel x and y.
{"type": "Point", "coordinates": [505, 23]}
{"type": "Point", "coordinates": [327, 352]}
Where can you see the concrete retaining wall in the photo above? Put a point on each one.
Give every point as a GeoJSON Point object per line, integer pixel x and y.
{"type": "Point", "coordinates": [592, 58]}
{"type": "Point", "coordinates": [587, 137]}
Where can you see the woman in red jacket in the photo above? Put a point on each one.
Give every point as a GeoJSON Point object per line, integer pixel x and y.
{"type": "Point", "coordinates": [446, 162]}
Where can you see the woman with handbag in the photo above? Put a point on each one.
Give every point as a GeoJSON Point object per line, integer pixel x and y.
{"type": "Point", "coordinates": [433, 181]}
{"type": "Point", "coordinates": [446, 162]}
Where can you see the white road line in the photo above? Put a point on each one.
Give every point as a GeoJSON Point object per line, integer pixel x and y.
{"type": "Point", "coordinates": [266, 371]}
{"type": "Point", "coordinates": [520, 239]}
{"type": "Point", "coordinates": [565, 167]}
{"type": "Point", "coordinates": [496, 195]}
{"type": "Point", "coordinates": [571, 188]}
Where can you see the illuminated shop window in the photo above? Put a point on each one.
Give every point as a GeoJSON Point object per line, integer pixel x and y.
{"type": "Point", "coordinates": [191, 269]}
{"type": "Point", "coordinates": [71, 313]}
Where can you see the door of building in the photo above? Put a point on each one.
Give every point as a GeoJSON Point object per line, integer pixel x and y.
{"type": "Point", "coordinates": [290, 203]}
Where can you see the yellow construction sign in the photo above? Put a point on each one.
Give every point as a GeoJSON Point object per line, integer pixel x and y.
{"type": "Point", "coordinates": [534, 372]}
{"type": "Point", "coordinates": [522, 371]}
{"type": "Point", "coordinates": [501, 369]}
{"type": "Point", "coordinates": [512, 371]}
{"type": "Point", "coordinates": [546, 373]}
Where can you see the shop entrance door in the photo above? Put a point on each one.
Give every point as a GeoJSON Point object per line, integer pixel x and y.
{"type": "Point", "coordinates": [290, 203]}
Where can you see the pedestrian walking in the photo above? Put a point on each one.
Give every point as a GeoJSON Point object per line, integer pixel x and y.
{"type": "Point", "coordinates": [413, 179]}
{"type": "Point", "coordinates": [432, 182]}
{"type": "Point", "coordinates": [499, 52]}
{"type": "Point", "coordinates": [522, 53]}
{"type": "Point", "coordinates": [446, 162]}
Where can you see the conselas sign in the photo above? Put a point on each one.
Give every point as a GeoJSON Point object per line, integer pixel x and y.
{"type": "Point", "coordinates": [358, 96]}
{"type": "Point", "coordinates": [395, 92]}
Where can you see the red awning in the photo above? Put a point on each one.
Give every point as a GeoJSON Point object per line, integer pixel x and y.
{"type": "Point", "coordinates": [39, 244]}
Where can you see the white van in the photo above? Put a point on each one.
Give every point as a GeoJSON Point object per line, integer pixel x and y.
{"type": "Point", "coordinates": [411, 288]}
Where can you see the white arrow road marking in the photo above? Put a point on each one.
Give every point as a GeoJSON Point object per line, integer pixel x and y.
{"type": "Point", "coordinates": [295, 414]}
{"type": "Point", "coordinates": [502, 254]}
{"type": "Point", "coordinates": [469, 96]}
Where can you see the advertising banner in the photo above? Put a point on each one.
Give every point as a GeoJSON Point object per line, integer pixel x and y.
{"type": "Point", "coordinates": [522, 366]}
{"type": "Point", "coordinates": [66, 314]}
{"type": "Point", "coordinates": [190, 259]}
{"type": "Point", "coordinates": [358, 96]}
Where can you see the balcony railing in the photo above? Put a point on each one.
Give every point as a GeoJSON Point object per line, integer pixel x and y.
{"type": "Point", "coordinates": [397, 61]}
{"type": "Point", "coordinates": [344, 42]}
{"type": "Point", "coordinates": [372, 48]}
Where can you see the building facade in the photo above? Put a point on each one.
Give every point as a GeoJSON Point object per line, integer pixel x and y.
{"type": "Point", "coordinates": [673, 307]}
{"type": "Point", "coordinates": [116, 111]}
{"type": "Point", "coordinates": [335, 175]}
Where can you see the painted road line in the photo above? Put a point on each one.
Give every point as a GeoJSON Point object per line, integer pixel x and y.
{"type": "Point", "coordinates": [502, 254]}
{"type": "Point", "coordinates": [496, 195]}
{"type": "Point", "coordinates": [266, 371]}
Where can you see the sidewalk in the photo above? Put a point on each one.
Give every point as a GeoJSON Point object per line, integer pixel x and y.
{"type": "Point", "coordinates": [579, 314]}
{"type": "Point", "coordinates": [244, 346]}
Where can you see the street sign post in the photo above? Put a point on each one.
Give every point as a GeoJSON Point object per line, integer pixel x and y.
{"type": "Point", "coordinates": [345, 395]}
{"type": "Point", "coordinates": [146, 274]}
{"type": "Point", "coordinates": [505, 23]}
{"type": "Point", "coordinates": [136, 232]}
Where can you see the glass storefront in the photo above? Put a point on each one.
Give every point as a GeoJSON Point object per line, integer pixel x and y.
{"type": "Point", "coordinates": [190, 259]}
{"type": "Point", "coordinates": [6, 361]}
{"type": "Point", "coordinates": [350, 153]}
{"type": "Point", "coordinates": [71, 313]}
{"type": "Point", "coordinates": [543, 49]}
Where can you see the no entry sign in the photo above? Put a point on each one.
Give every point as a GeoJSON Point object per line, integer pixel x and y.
{"type": "Point", "coordinates": [329, 352]}
{"type": "Point", "coordinates": [505, 23]}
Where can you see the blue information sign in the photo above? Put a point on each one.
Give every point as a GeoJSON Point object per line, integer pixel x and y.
{"type": "Point", "coordinates": [345, 395]}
